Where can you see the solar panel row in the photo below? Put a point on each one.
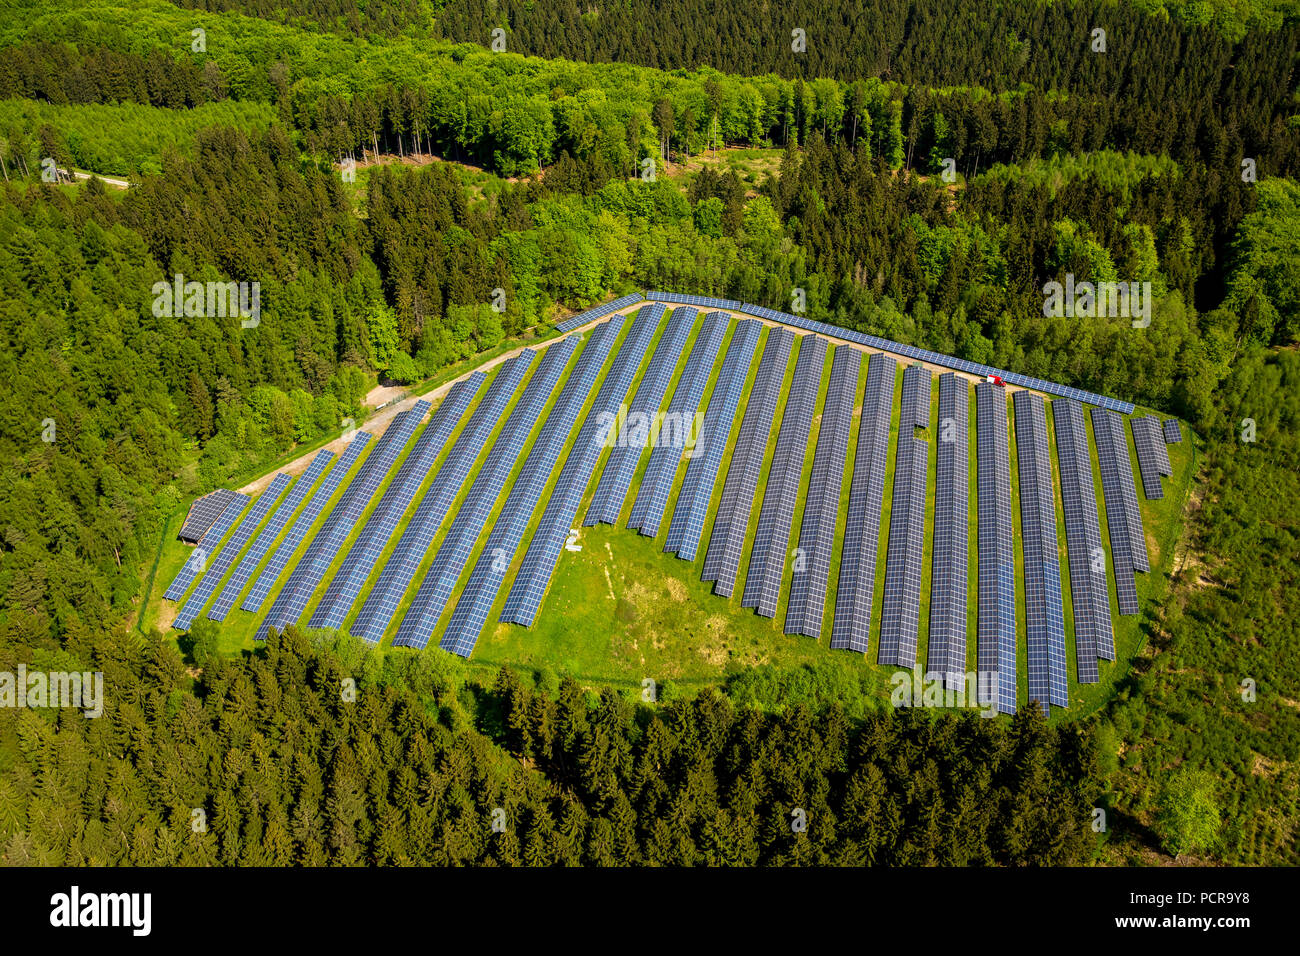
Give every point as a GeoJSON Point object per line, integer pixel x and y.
{"type": "Point", "coordinates": [262, 543]}
{"type": "Point", "coordinates": [657, 482]}
{"type": "Point", "coordinates": [996, 621]}
{"type": "Point", "coordinates": [197, 562]}
{"type": "Point", "coordinates": [687, 526]}
{"type": "Point", "coordinates": [525, 598]}
{"type": "Point", "coordinates": [936, 358]}
{"type": "Point", "coordinates": [397, 497]}
{"type": "Point", "coordinates": [1044, 612]}
{"type": "Point", "coordinates": [638, 427]}
{"type": "Point", "coordinates": [1127, 541]}
{"type": "Point", "coordinates": [489, 572]}
{"type": "Point", "coordinates": [302, 524]}
{"type": "Point", "coordinates": [731, 523]}
{"type": "Point", "coordinates": [400, 569]}
{"type": "Point", "coordinates": [767, 557]}
{"type": "Point", "coordinates": [1087, 561]}
{"type": "Point", "coordinates": [1148, 442]}
{"type": "Point", "coordinates": [900, 612]}
{"type": "Point", "coordinates": [1173, 432]}
{"type": "Point", "coordinates": [1163, 464]}
{"type": "Point", "coordinates": [599, 312]}
{"type": "Point", "coordinates": [812, 564]}
{"type": "Point", "coordinates": [454, 553]}
{"type": "Point", "coordinates": [293, 598]}
{"type": "Point", "coordinates": [854, 594]}
{"type": "Point", "coordinates": [702, 301]}
{"type": "Point", "coordinates": [916, 397]}
{"type": "Point", "coordinates": [229, 551]}
{"type": "Point", "coordinates": [946, 650]}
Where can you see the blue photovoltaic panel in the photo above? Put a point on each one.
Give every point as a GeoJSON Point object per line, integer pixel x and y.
{"type": "Point", "coordinates": [996, 622]}
{"type": "Point", "coordinates": [812, 567]}
{"type": "Point", "coordinates": [1044, 613]}
{"type": "Point", "coordinates": [701, 301]}
{"type": "Point", "coordinates": [498, 553]}
{"type": "Point", "coordinates": [657, 483]}
{"type": "Point", "coordinates": [454, 553]}
{"type": "Point", "coordinates": [935, 358]}
{"type": "Point", "coordinates": [266, 537]}
{"type": "Point", "coordinates": [1128, 549]}
{"type": "Point", "coordinates": [204, 512]}
{"type": "Point", "coordinates": [900, 612]}
{"type": "Point", "coordinates": [1089, 594]}
{"type": "Point", "coordinates": [1161, 449]}
{"type": "Point", "coordinates": [383, 521]}
{"type": "Point", "coordinates": [1173, 432]}
{"type": "Point", "coordinates": [292, 600]}
{"type": "Point", "coordinates": [946, 648]}
{"type": "Point", "coordinates": [731, 523]}
{"type": "Point", "coordinates": [228, 553]}
{"type": "Point", "coordinates": [198, 559]}
{"type": "Point", "coordinates": [851, 626]}
{"type": "Point", "coordinates": [692, 507]}
{"type": "Point", "coordinates": [772, 539]}
{"type": "Point", "coordinates": [303, 523]}
{"type": "Point", "coordinates": [404, 562]}
{"type": "Point", "coordinates": [1152, 455]}
{"type": "Point", "coordinates": [535, 573]}
{"type": "Point", "coordinates": [599, 312]}
{"type": "Point", "coordinates": [638, 427]}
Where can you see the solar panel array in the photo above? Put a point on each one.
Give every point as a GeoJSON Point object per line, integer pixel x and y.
{"type": "Point", "coordinates": [454, 553]}
{"type": "Point", "coordinates": [404, 562]}
{"type": "Point", "coordinates": [851, 625]}
{"type": "Point", "coordinates": [204, 513]}
{"type": "Point", "coordinates": [302, 524]}
{"type": "Point", "coordinates": [1173, 432]}
{"type": "Point", "coordinates": [946, 650]}
{"type": "Point", "coordinates": [935, 358]}
{"type": "Point", "coordinates": [197, 562]}
{"type": "Point", "coordinates": [657, 482]}
{"type": "Point", "coordinates": [1152, 455]}
{"type": "Point", "coordinates": [812, 566]}
{"type": "Point", "coordinates": [526, 594]}
{"type": "Point", "coordinates": [900, 613]}
{"type": "Point", "coordinates": [1044, 611]}
{"type": "Point", "coordinates": [731, 523]}
{"type": "Point", "coordinates": [996, 621]}
{"type": "Point", "coordinates": [599, 312]}
{"type": "Point", "coordinates": [379, 528]}
{"type": "Point", "coordinates": [212, 577]}
{"type": "Point", "coordinates": [262, 543]}
{"type": "Point", "coordinates": [767, 557]}
{"type": "Point", "coordinates": [1128, 547]}
{"type": "Point", "coordinates": [489, 572]}
{"type": "Point", "coordinates": [1088, 592]}
{"type": "Point", "coordinates": [292, 600]}
{"type": "Point", "coordinates": [687, 526]}
{"type": "Point", "coordinates": [634, 433]}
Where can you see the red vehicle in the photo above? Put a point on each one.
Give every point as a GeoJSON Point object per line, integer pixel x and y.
{"type": "Point", "coordinates": [996, 380]}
